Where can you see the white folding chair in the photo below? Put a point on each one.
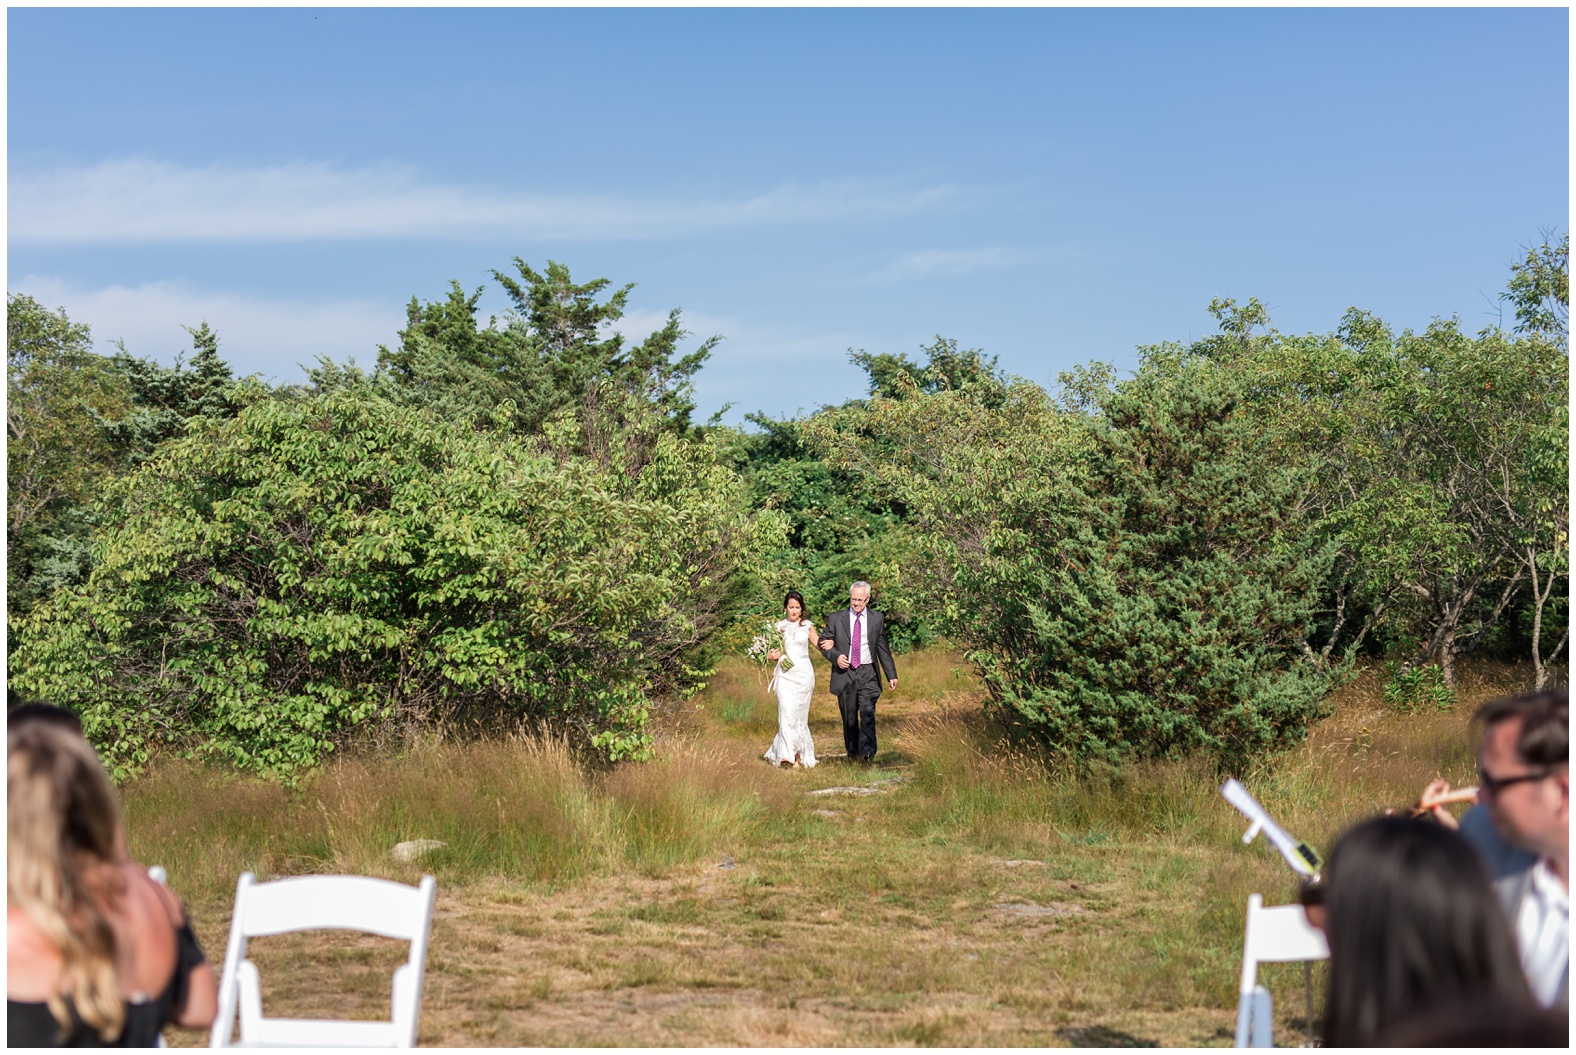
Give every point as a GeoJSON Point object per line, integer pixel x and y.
{"type": "Point", "coordinates": [1281, 934]}
{"type": "Point", "coordinates": [285, 906]}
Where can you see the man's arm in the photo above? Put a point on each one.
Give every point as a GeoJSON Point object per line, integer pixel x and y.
{"type": "Point", "coordinates": [883, 654]}
{"type": "Point", "coordinates": [828, 642]}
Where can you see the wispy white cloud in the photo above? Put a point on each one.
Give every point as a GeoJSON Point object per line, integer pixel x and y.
{"type": "Point", "coordinates": [271, 335]}
{"type": "Point", "coordinates": [750, 354]}
{"type": "Point", "coordinates": [136, 200]}
{"type": "Point", "coordinates": [638, 323]}
{"type": "Point", "coordinates": [261, 335]}
{"type": "Point", "coordinates": [928, 263]}
{"type": "Point", "coordinates": [757, 366]}
{"type": "Point", "coordinates": [780, 371]}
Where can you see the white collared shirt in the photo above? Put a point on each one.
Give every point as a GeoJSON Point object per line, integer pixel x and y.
{"type": "Point", "coordinates": [1543, 927]}
{"type": "Point", "coordinates": [864, 635]}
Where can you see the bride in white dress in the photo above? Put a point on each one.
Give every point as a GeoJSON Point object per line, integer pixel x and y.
{"type": "Point", "coordinates": [794, 686]}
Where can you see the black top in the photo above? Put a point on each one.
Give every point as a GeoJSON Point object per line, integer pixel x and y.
{"type": "Point", "coordinates": [30, 1025]}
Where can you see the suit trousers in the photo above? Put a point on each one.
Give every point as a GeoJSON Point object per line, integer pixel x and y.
{"type": "Point", "coordinates": [857, 702]}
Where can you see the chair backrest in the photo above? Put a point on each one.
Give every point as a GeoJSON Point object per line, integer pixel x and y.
{"type": "Point", "coordinates": [1279, 934]}
{"type": "Point", "coordinates": [285, 906]}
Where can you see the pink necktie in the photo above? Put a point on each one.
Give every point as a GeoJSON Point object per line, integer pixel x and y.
{"type": "Point", "coordinates": [853, 660]}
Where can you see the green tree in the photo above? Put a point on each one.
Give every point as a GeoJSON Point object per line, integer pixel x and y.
{"type": "Point", "coordinates": [1435, 458]}
{"type": "Point", "coordinates": [1540, 290]}
{"type": "Point", "coordinates": [1534, 491]}
{"type": "Point", "coordinates": [446, 361]}
{"type": "Point", "coordinates": [557, 343]}
{"type": "Point", "coordinates": [1308, 392]}
{"type": "Point", "coordinates": [1453, 444]}
{"type": "Point", "coordinates": [58, 392]}
{"type": "Point", "coordinates": [836, 535]}
{"type": "Point", "coordinates": [840, 528]}
{"type": "Point", "coordinates": [946, 368]}
{"type": "Point", "coordinates": [164, 399]}
{"type": "Point", "coordinates": [76, 420]}
{"type": "Point", "coordinates": [270, 586]}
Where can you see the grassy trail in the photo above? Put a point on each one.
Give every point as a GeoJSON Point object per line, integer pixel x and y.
{"type": "Point", "coordinates": [963, 895]}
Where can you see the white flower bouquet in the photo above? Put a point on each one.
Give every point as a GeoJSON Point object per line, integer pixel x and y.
{"type": "Point", "coordinates": [769, 638]}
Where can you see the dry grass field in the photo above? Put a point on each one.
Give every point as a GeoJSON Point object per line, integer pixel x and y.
{"type": "Point", "coordinates": [963, 893]}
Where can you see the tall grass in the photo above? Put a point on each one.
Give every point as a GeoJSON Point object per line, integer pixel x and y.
{"type": "Point", "coordinates": [525, 808]}
{"type": "Point", "coordinates": [522, 807]}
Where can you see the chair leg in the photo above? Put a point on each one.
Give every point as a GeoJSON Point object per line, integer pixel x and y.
{"type": "Point", "coordinates": [1263, 1018]}
{"type": "Point", "coordinates": [1255, 1013]}
{"type": "Point", "coordinates": [1307, 990]}
{"type": "Point", "coordinates": [403, 1004]}
{"type": "Point", "coordinates": [1244, 1021]}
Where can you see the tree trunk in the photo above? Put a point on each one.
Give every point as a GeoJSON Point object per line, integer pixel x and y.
{"type": "Point", "coordinates": [1555, 651]}
{"type": "Point", "coordinates": [1540, 595]}
{"type": "Point", "coordinates": [1540, 676]}
{"type": "Point", "coordinates": [1447, 655]}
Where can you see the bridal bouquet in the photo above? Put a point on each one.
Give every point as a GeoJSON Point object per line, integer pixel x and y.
{"type": "Point", "coordinates": [769, 638]}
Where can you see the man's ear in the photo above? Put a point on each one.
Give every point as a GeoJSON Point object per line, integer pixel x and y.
{"type": "Point", "coordinates": [1562, 788]}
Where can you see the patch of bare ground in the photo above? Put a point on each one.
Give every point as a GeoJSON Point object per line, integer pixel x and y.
{"type": "Point", "coordinates": [710, 957]}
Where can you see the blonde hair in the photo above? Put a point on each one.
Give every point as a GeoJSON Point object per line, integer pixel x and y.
{"type": "Point", "coordinates": [62, 817]}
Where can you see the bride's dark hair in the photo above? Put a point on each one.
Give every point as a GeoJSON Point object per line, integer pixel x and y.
{"type": "Point", "coordinates": [795, 595]}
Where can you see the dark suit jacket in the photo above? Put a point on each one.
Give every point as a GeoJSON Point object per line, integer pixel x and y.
{"type": "Point", "coordinates": [1501, 858]}
{"type": "Point", "coordinates": [835, 626]}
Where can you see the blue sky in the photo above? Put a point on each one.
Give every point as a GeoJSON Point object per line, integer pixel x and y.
{"type": "Point", "coordinates": [1052, 186]}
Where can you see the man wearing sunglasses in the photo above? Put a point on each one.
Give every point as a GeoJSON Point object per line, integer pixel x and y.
{"type": "Point", "coordinates": [1524, 780]}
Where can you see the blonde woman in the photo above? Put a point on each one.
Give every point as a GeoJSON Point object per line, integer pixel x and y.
{"type": "Point", "coordinates": [97, 954]}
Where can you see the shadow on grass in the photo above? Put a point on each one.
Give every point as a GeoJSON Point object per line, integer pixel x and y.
{"type": "Point", "coordinates": [1102, 1037]}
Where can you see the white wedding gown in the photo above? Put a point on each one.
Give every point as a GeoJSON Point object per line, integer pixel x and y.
{"type": "Point", "coordinates": [794, 689]}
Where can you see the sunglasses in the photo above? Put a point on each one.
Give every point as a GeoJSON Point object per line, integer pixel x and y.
{"type": "Point", "coordinates": [1494, 785]}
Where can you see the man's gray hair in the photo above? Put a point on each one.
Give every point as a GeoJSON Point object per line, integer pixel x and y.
{"type": "Point", "coordinates": [860, 583]}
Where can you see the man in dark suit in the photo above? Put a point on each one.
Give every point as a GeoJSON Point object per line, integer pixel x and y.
{"type": "Point", "coordinates": [854, 640]}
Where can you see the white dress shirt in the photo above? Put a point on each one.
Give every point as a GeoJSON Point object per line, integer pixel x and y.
{"type": "Point", "coordinates": [863, 659]}
{"type": "Point", "coordinates": [1543, 928]}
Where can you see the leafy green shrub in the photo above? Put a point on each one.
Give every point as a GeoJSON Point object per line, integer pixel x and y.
{"type": "Point", "coordinates": [844, 527]}
{"type": "Point", "coordinates": [1411, 688]}
{"type": "Point", "coordinates": [268, 586]}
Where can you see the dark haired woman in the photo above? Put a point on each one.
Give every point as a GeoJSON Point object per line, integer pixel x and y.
{"type": "Point", "coordinates": [1412, 924]}
{"type": "Point", "coordinates": [97, 954]}
{"type": "Point", "coordinates": [794, 686]}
